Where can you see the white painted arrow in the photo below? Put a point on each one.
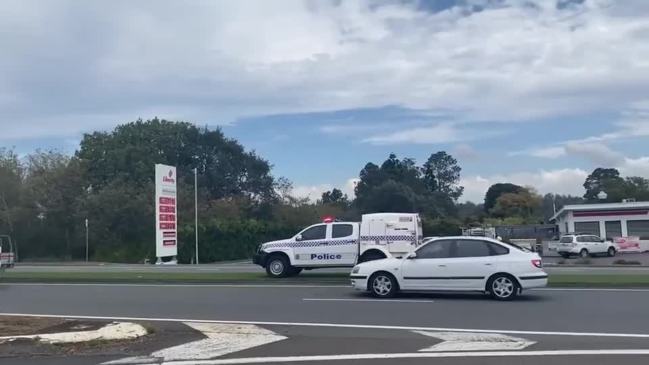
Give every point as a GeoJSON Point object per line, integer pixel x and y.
{"type": "Point", "coordinates": [468, 341]}
{"type": "Point", "coordinates": [221, 339]}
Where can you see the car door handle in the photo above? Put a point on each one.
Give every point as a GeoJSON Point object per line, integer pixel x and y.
{"type": "Point", "coordinates": [441, 265]}
{"type": "Point", "coordinates": [488, 264]}
{"type": "Point", "coordinates": [323, 243]}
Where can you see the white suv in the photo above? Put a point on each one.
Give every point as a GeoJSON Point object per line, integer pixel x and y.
{"type": "Point", "coordinates": [584, 245]}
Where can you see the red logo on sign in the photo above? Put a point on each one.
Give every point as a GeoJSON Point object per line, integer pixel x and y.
{"type": "Point", "coordinates": [169, 242]}
{"type": "Point", "coordinates": [169, 234]}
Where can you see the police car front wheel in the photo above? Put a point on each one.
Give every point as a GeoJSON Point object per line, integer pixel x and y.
{"type": "Point", "coordinates": [278, 267]}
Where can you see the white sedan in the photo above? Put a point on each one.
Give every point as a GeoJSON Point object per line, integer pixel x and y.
{"type": "Point", "coordinates": [454, 264]}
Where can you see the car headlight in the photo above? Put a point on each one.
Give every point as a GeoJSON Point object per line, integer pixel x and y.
{"type": "Point", "coordinates": [356, 269]}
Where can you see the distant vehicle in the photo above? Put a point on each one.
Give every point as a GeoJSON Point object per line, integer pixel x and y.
{"type": "Point", "coordinates": [7, 256]}
{"type": "Point", "coordinates": [584, 245]}
{"type": "Point", "coordinates": [454, 264]}
{"type": "Point", "coordinates": [341, 244]}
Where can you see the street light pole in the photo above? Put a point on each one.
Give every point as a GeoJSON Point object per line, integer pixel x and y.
{"type": "Point", "coordinates": [86, 239]}
{"type": "Point", "coordinates": [196, 210]}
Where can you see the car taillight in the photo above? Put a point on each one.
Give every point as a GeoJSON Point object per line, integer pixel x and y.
{"type": "Point", "coordinates": [537, 263]}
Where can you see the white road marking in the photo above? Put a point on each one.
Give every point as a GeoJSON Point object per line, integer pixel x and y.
{"type": "Point", "coordinates": [112, 331]}
{"type": "Point", "coordinates": [416, 355]}
{"type": "Point", "coordinates": [337, 325]}
{"type": "Point", "coordinates": [466, 341]}
{"type": "Point", "coordinates": [222, 339]}
{"type": "Point", "coordinates": [365, 300]}
{"type": "Point", "coordinates": [592, 289]}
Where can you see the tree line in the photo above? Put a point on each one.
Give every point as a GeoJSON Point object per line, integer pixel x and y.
{"type": "Point", "coordinates": [46, 196]}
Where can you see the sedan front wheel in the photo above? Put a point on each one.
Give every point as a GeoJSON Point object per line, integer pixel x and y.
{"type": "Point", "coordinates": [383, 285]}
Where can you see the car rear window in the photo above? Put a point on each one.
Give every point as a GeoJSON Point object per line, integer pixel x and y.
{"type": "Point", "coordinates": [518, 247]}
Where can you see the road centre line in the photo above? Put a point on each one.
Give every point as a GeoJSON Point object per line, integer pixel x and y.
{"type": "Point", "coordinates": [334, 325]}
{"type": "Point", "coordinates": [285, 359]}
{"type": "Point", "coordinates": [365, 300]}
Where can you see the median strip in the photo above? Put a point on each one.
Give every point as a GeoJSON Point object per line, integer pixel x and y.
{"type": "Point", "coordinates": [613, 280]}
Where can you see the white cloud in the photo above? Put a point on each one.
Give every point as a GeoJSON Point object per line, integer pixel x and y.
{"type": "Point", "coordinates": [312, 192]}
{"type": "Point", "coordinates": [560, 181]}
{"type": "Point", "coordinates": [548, 152]}
{"type": "Point", "coordinates": [440, 133]}
{"type": "Point", "coordinates": [598, 153]}
{"type": "Point", "coordinates": [465, 152]}
{"type": "Point", "coordinates": [635, 167]}
{"type": "Point", "coordinates": [74, 66]}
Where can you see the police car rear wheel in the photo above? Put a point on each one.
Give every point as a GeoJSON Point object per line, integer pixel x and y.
{"type": "Point", "coordinates": [277, 267]}
{"type": "Point", "coordinates": [383, 285]}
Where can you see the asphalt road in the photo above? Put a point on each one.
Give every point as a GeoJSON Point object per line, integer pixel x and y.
{"type": "Point", "coordinates": [247, 267]}
{"type": "Point", "coordinates": [335, 320]}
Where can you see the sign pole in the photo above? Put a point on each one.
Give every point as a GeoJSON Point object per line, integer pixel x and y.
{"type": "Point", "coordinates": [196, 210]}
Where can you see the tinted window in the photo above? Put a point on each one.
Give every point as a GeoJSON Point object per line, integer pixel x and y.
{"type": "Point", "coordinates": [566, 239]}
{"type": "Point", "coordinates": [472, 248]}
{"type": "Point", "coordinates": [613, 229]}
{"type": "Point", "coordinates": [497, 249]}
{"type": "Point", "coordinates": [594, 239]}
{"type": "Point", "coordinates": [342, 230]}
{"type": "Point", "coordinates": [315, 233]}
{"type": "Point", "coordinates": [582, 239]}
{"type": "Point", "coordinates": [588, 228]}
{"type": "Point", "coordinates": [638, 228]}
{"type": "Point", "coordinates": [435, 250]}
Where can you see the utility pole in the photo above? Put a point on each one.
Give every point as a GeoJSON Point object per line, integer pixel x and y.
{"type": "Point", "coordinates": [196, 210]}
{"type": "Point", "coordinates": [86, 239]}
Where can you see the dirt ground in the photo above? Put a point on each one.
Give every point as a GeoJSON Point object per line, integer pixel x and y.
{"type": "Point", "coordinates": [13, 326]}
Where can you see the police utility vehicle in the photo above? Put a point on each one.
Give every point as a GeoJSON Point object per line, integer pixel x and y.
{"type": "Point", "coordinates": [341, 244]}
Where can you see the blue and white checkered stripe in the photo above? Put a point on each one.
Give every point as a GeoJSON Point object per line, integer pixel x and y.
{"type": "Point", "coordinates": [313, 243]}
{"type": "Point", "coordinates": [408, 238]}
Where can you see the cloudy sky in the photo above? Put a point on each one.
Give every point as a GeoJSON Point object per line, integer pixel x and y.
{"type": "Point", "coordinates": [536, 92]}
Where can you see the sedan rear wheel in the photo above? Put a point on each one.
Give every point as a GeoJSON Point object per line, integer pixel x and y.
{"type": "Point", "coordinates": [383, 285]}
{"type": "Point", "coordinates": [503, 287]}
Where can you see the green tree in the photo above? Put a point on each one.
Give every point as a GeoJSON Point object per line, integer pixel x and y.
{"type": "Point", "coordinates": [495, 191]}
{"type": "Point", "coordinates": [606, 180]}
{"type": "Point", "coordinates": [11, 173]}
{"type": "Point", "coordinates": [54, 189]}
{"type": "Point", "coordinates": [334, 196]}
{"type": "Point", "coordinates": [637, 187]}
{"type": "Point", "coordinates": [557, 201]}
{"type": "Point", "coordinates": [525, 204]}
{"type": "Point", "coordinates": [442, 173]}
{"type": "Point", "coordinates": [398, 185]}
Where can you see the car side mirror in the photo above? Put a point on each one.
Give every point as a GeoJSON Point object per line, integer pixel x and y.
{"type": "Point", "coordinates": [298, 237]}
{"type": "Point", "coordinates": [412, 256]}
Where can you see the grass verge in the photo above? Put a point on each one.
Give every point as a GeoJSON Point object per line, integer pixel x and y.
{"type": "Point", "coordinates": [556, 280]}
